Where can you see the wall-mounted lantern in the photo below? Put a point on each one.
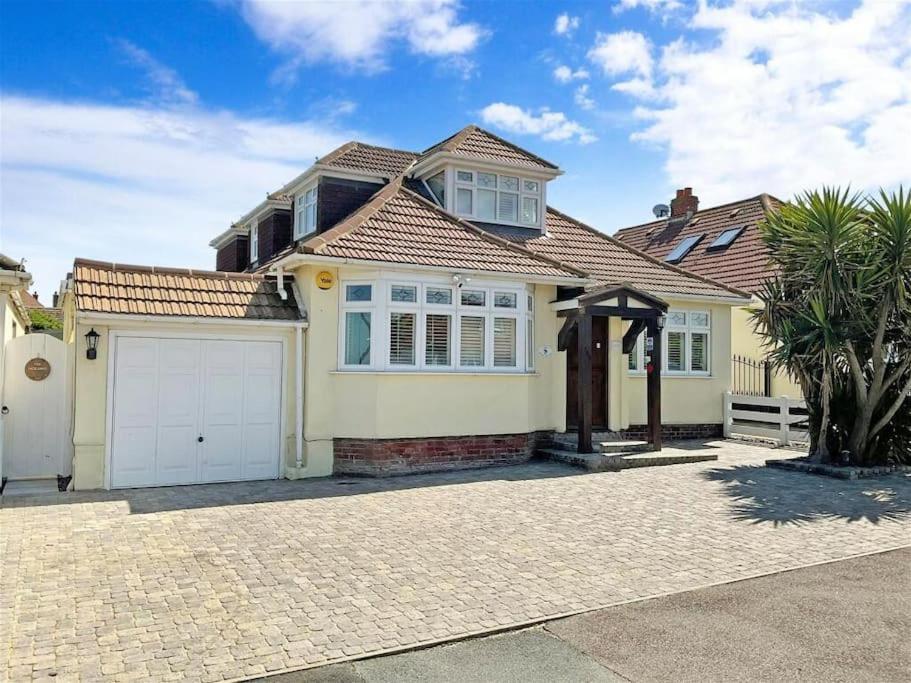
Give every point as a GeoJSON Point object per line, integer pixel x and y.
{"type": "Point", "coordinates": [91, 344]}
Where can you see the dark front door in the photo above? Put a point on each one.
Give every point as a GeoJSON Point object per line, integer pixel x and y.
{"type": "Point", "coordinates": [599, 376]}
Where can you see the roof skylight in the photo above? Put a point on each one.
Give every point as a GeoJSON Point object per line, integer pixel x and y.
{"type": "Point", "coordinates": [724, 239]}
{"type": "Point", "coordinates": [684, 248]}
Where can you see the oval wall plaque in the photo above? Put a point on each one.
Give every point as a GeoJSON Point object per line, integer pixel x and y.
{"type": "Point", "coordinates": [37, 369]}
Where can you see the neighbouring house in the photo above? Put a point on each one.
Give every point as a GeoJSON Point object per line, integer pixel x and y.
{"type": "Point", "coordinates": [44, 319]}
{"type": "Point", "coordinates": [14, 322]}
{"type": "Point", "coordinates": [722, 243]}
{"type": "Point", "coordinates": [387, 312]}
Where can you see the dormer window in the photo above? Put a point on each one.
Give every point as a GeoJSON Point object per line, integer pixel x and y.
{"type": "Point", "coordinates": [254, 242]}
{"type": "Point", "coordinates": [437, 186]}
{"type": "Point", "coordinates": [498, 198]}
{"type": "Point", "coordinates": [305, 212]}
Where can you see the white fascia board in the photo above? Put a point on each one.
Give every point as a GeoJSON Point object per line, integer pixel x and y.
{"type": "Point", "coordinates": [88, 317]}
{"type": "Point", "coordinates": [314, 172]}
{"type": "Point", "coordinates": [293, 260]}
{"type": "Point", "coordinates": [732, 300]}
{"type": "Point", "coordinates": [262, 208]}
{"type": "Point", "coordinates": [565, 305]}
{"type": "Point", "coordinates": [441, 158]}
{"type": "Point", "coordinates": [227, 235]}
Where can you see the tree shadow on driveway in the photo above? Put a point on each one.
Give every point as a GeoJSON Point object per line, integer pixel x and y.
{"type": "Point", "coordinates": [764, 495]}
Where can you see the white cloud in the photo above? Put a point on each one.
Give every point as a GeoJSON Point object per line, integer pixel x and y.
{"type": "Point", "coordinates": [168, 85]}
{"type": "Point", "coordinates": [650, 5]}
{"type": "Point", "coordinates": [780, 98]}
{"type": "Point", "coordinates": [563, 74]}
{"type": "Point", "coordinates": [622, 53]}
{"type": "Point", "coordinates": [582, 98]}
{"type": "Point", "coordinates": [360, 33]}
{"type": "Point", "coordinates": [565, 24]}
{"type": "Point", "coordinates": [136, 184]}
{"type": "Point", "coordinates": [548, 125]}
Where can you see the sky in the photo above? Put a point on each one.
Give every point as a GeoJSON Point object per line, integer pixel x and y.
{"type": "Point", "coordinates": [137, 131]}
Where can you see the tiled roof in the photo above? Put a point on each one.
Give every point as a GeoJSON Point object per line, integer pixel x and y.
{"type": "Point", "coordinates": [29, 300]}
{"type": "Point", "coordinates": [476, 143]}
{"type": "Point", "coordinates": [398, 226]}
{"type": "Point", "coordinates": [144, 290]}
{"type": "Point", "coordinates": [744, 264]}
{"type": "Point", "coordinates": [611, 262]}
{"type": "Point", "coordinates": [356, 156]}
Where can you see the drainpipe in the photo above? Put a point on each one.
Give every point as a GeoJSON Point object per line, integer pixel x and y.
{"type": "Point", "coordinates": [299, 397]}
{"type": "Point", "coordinates": [280, 284]}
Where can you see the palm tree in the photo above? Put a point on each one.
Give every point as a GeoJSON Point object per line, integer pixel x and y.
{"type": "Point", "coordinates": [838, 317]}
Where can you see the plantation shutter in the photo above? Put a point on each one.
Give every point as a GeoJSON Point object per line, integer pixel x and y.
{"type": "Point", "coordinates": [504, 342]}
{"type": "Point", "coordinates": [401, 338]}
{"type": "Point", "coordinates": [471, 341]}
{"type": "Point", "coordinates": [436, 345]}
{"type": "Point", "coordinates": [699, 352]}
{"type": "Point", "coordinates": [508, 207]}
{"type": "Point", "coordinates": [676, 353]}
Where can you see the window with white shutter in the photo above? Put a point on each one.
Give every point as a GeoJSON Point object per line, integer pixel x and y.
{"type": "Point", "coordinates": [437, 339]}
{"type": "Point", "coordinates": [502, 198]}
{"type": "Point", "coordinates": [676, 351]}
{"type": "Point", "coordinates": [508, 208]}
{"type": "Point", "coordinates": [504, 342]}
{"type": "Point", "coordinates": [699, 352]}
{"type": "Point", "coordinates": [471, 341]}
{"type": "Point", "coordinates": [401, 338]}
{"type": "Point", "coordinates": [687, 343]}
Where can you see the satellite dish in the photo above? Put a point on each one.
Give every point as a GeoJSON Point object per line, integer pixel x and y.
{"type": "Point", "coordinates": [661, 210]}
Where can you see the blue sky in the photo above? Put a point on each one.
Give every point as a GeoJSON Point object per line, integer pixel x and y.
{"type": "Point", "coordinates": [136, 131]}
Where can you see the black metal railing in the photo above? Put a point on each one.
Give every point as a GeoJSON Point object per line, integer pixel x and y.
{"type": "Point", "coordinates": [751, 377]}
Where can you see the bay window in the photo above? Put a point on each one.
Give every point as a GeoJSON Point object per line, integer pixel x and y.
{"type": "Point", "coordinates": [687, 345]}
{"type": "Point", "coordinates": [501, 198]}
{"type": "Point", "coordinates": [434, 326]}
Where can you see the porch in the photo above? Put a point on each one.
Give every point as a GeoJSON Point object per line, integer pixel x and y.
{"type": "Point", "coordinates": [586, 336]}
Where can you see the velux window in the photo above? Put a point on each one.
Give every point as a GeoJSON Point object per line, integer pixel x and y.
{"type": "Point", "coordinates": [681, 250]}
{"type": "Point", "coordinates": [434, 326]}
{"type": "Point", "coordinates": [726, 238]}
{"type": "Point", "coordinates": [687, 345]}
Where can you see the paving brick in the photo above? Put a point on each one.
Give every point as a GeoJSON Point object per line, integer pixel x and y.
{"type": "Point", "coordinates": [214, 582]}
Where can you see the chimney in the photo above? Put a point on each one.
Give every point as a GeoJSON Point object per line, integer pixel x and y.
{"type": "Point", "coordinates": [685, 204]}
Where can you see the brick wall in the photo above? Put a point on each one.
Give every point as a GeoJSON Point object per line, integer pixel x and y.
{"type": "Point", "coordinates": [384, 457]}
{"type": "Point", "coordinates": [339, 197]}
{"type": "Point", "coordinates": [274, 233]}
{"type": "Point", "coordinates": [671, 432]}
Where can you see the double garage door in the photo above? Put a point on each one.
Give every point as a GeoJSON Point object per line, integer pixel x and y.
{"type": "Point", "coordinates": [188, 411]}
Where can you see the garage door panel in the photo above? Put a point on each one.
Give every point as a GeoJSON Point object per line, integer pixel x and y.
{"type": "Point", "coordinates": [178, 412]}
{"type": "Point", "coordinates": [169, 392]}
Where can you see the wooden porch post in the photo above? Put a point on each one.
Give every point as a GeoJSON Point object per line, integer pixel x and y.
{"type": "Point", "coordinates": [584, 337]}
{"type": "Point", "coordinates": [654, 385]}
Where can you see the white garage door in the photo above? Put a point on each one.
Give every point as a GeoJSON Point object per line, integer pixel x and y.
{"type": "Point", "coordinates": [188, 411]}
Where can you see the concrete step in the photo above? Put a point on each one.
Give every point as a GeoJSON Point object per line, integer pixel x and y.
{"type": "Point", "coordinates": [620, 447]}
{"type": "Point", "coordinates": [598, 462]}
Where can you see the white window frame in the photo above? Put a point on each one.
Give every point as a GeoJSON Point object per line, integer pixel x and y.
{"type": "Point", "coordinates": [346, 307]}
{"type": "Point", "coordinates": [689, 329]}
{"type": "Point", "coordinates": [530, 329]}
{"type": "Point", "coordinates": [381, 307]}
{"type": "Point", "coordinates": [301, 210]}
{"type": "Point", "coordinates": [520, 192]}
{"type": "Point", "coordinates": [254, 241]}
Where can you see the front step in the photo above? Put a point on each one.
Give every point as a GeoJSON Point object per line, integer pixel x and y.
{"type": "Point", "coordinates": [598, 462]}
{"type": "Point", "coordinates": [623, 447]}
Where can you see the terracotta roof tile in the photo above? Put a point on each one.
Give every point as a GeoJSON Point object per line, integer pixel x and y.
{"type": "Point", "coordinates": [611, 262]}
{"type": "Point", "coordinates": [743, 264]}
{"type": "Point", "coordinates": [102, 287]}
{"type": "Point", "coordinates": [357, 156]}
{"type": "Point", "coordinates": [398, 226]}
{"type": "Point", "coordinates": [477, 143]}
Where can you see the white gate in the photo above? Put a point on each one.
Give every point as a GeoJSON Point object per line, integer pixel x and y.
{"type": "Point", "coordinates": [36, 413]}
{"type": "Point", "coordinates": [777, 419]}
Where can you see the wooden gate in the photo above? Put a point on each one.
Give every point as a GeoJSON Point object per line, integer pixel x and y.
{"type": "Point", "coordinates": [36, 408]}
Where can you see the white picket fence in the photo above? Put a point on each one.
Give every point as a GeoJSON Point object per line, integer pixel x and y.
{"type": "Point", "coordinates": [779, 419]}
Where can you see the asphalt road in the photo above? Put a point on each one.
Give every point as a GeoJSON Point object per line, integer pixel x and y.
{"type": "Point", "coordinates": [844, 621]}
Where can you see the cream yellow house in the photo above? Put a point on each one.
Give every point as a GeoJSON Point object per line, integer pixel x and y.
{"type": "Point", "coordinates": [14, 320]}
{"type": "Point", "coordinates": [391, 312]}
{"type": "Point", "coordinates": [722, 243]}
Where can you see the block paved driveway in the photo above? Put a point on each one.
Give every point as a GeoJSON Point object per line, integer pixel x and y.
{"type": "Point", "coordinates": [225, 581]}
